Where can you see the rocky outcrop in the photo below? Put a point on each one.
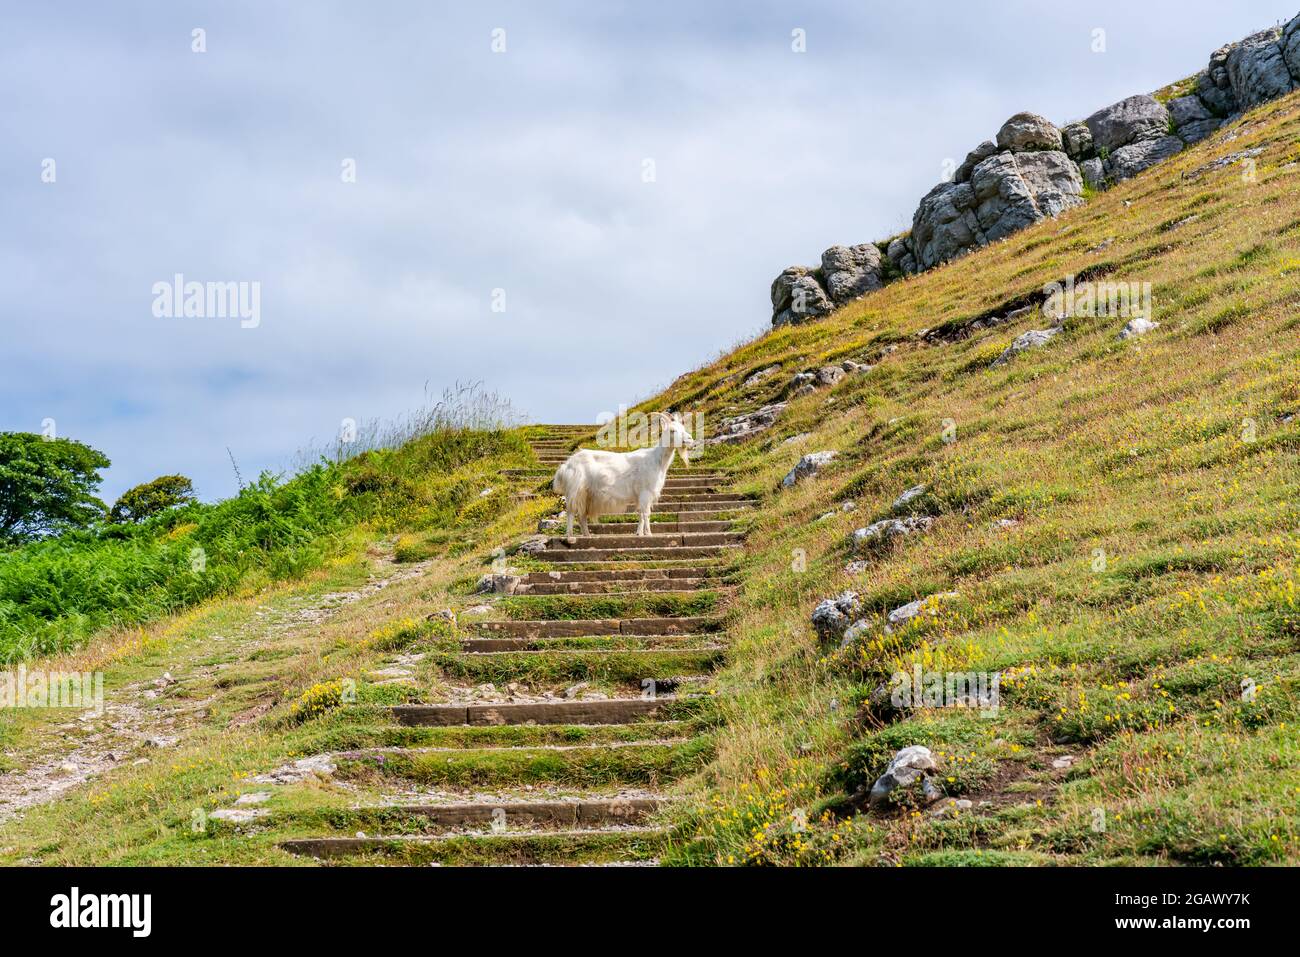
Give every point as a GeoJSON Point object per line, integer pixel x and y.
{"type": "Point", "coordinates": [1025, 132]}
{"type": "Point", "coordinates": [807, 467]}
{"type": "Point", "coordinates": [832, 616]}
{"type": "Point", "coordinates": [737, 428]}
{"type": "Point", "coordinates": [1007, 191]}
{"type": "Point", "coordinates": [1033, 170]}
{"type": "Point", "coordinates": [797, 296]}
{"type": "Point", "coordinates": [850, 272]}
{"type": "Point", "coordinates": [800, 294]}
{"type": "Point", "coordinates": [1125, 122]}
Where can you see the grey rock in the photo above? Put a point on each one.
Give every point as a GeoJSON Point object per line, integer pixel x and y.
{"type": "Point", "coordinates": [1013, 191]}
{"type": "Point", "coordinates": [832, 616]}
{"type": "Point", "coordinates": [798, 297]}
{"type": "Point", "coordinates": [1094, 173]}
{"type": "Point", "coordinates": [1137, 327]}
{"type": "Point", "coordinates": [900, 254]}
{"type": "Point", "coordinates": [944, 225]}
{"type": "Point", "coordinates": [851, 271]}
{"type": "Point", "coordinates": [1257, 69]}
{"type": "Point", "coordinates": [761, 375]}
{"type": "Point", "coordinates": [913, 493]}
{"type": "Point", "coordinates": [1290, 44]}
{"type": "Point", "coordinates": [1127, 121]}
{"type": "Point", "coordinates": [879, 536]}
{"type": "Point", "coordinates": [1217, 99]}
{"type": "Point", "coordinates": [807, 467]}
{"type": "Point", "coordinates": [973, 159]}
{"type": "Point", "coordinates": [1076, 140]}
{"type": "Point", "coordinates": [1198, 130]}
{"type": "Point", "coordinates": [905, 613]}
{"type": "Point", "coordinates": [497, 584]}
{"type": "Point", "coordinates": [905, 768]}
{"type": "Point", "coordinates": [533, 544]}
{"type": "Point", "coordinates": [737, 428]}
{"type": "Point", "coordinates": [239, 815]}
{"type": "Point", "coordinates": [1026, 132]}
{"type": "Point", "coordinates": [1188, 109]}
{"type": "Point", "coordinates": [1127, 161]}
{"type": "Point", "coordinates": [828, 375]}
{"type": "Point", "coordinates": [1033, 339]}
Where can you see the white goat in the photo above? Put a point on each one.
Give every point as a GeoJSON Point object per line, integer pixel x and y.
{"type": "Point", "coordinates": [595, 482]}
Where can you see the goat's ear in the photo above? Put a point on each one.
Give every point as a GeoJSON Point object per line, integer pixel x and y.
{"type": "Point", "coordinates": [660, 415]}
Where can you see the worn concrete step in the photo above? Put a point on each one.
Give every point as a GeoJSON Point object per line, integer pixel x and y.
{"type": "Point", "coordinates": [571, 628]}
{"type": "Point", "coordinates": [669, 540]}
{"type": "Point", "coordinates": [644, 762]}
{"type": "Point", "coordinates": [702, 515]}
{"type": "Point", "coordinates": [609, 711]}
{"type": "Point", "coordinates": [667, 586]}
{"type": "Point", "coordinates": [588, 555]}
{"type": "Point", "coordinates": [720, 499]}
{"type": "Point", "coordinates": [576, 846]}
{"type": "Point", "coordinates": [687, 642]}
{"type": "Point", "coordinates": [663, 528]}
{"type": "Point", "coordinates": [505, 816]}
{"type": "Point", "coordinates": [692, 476]}
{"type": "Point", "coordinates": [639, 667]}
{"type": "Point", "coordinates": [619, 574]}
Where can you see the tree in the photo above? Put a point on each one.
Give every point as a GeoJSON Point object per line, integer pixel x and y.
{"type": "Point", "coordinates": [47, 486]}
{"type": "Point", "coordinates": [147, 500]}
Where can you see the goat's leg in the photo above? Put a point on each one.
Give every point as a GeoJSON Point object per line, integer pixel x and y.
{"type": "Point", "coordinates": [644, 506]}
{"type": "Point", "coordinates": [585, 529]}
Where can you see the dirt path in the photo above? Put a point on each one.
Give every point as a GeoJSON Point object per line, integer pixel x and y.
{"type": "Point", "coordinates": [142, 720]}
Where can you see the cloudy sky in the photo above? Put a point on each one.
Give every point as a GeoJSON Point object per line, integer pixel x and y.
{"type": "Point", "coordinates": [523, 171]}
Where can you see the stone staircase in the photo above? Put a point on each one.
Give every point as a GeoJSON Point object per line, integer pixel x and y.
{"type": "Point", "coordinates": [575, 778]}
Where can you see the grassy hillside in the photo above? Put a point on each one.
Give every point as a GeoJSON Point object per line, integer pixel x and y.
{"type": "Point", "coordinates": [1151, 567]}
{"type": "Point", "coordinates": [1117, 520]}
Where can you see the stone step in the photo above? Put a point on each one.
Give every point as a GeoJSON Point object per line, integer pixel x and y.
{"type": "Point", "coordinates": [702, 515]}
{"type": "Point", "coordinates": [609, 711]}
{"type": "Point", "coordinates": [505, 816]}
{"type": "Point", "coordinates": [645, 762]}
{"type": "Point", "coordinates": [576, 846]}
{"type": "Point", "coordinates": [692, 476]}
{"type": "Point", "coordinates": [670, 540]}
{"type": "Point", "coordinates": [572, 628]}
{"type": "Point", "coordinates": [716, 499]}
{"type": "Point", "coordinates": [664, 528]}
{"type": "Point", "coordinates": [688, 642]}
{"type": "Point", "coordinates": [663, 587]}
{"type": "Point", "coordinates": [635, 668]}
{"type": "Point", "coordinates": [597, 555]}
{"type": "Point", "coordinates": [619, 574]}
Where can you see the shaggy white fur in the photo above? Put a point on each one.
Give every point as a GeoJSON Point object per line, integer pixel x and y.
{"type": "Point", "coordinates": [595, 483]}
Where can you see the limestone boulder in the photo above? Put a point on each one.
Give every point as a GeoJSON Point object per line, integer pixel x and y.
{"type": "Point", "coordinates": [851, 271]}
{"type": "Point", "coordinates": [1129, 120]}
{"type": "Point", "coordinates": [1257, 69]}
{"type": "Point", "coordinates": [1027, 132]}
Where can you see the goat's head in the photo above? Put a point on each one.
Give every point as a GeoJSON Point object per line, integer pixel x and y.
{"type": "Point", "coordinates": [672, 433]}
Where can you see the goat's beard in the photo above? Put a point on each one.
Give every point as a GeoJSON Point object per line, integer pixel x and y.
{"type": "Point", "coordinates": [685, 453]}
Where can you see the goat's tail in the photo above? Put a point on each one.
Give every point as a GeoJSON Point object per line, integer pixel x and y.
{"type": "Point", "coordinates": [568, 481]}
